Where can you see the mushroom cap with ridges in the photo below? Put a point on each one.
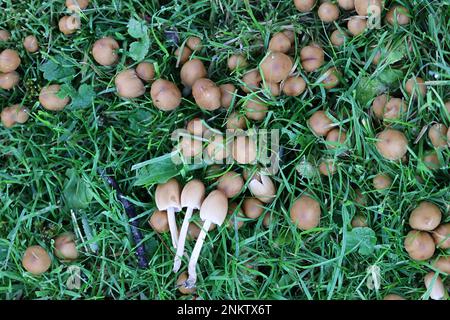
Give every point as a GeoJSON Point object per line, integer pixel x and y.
{"type": "Point", "coordinates": [167, 195]}
{"type": "Point", "coordinates": [215, 207]}
{"type": "Point", "coordinates": [36, 260]}
{"type": "Point", "coordinates": [426, 216]}
{"type": "Point", "coordinates": [193, 194]}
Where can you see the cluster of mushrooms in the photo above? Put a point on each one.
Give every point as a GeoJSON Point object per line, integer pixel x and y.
{"type": "Point", "coordinates": [69, 24]}
{"type": "Point", "coordinates": [37, 260]}
{"type": "Point", "coordinates": [9, 77]}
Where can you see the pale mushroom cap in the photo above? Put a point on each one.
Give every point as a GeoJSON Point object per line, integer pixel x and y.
{"type": "Point", "coordinates": [394, 108]}
{"type": "Point", "coordinates": [361, 6]}
{"type": "Point", "coordinates": [193, 194]}
{"type": "Point", "coordinates": [437, 134]}
{"type": "Point", "coordinates": [425, 217]}
{"type": "Point", "coordinates": [215, 207]}
{"type": "Point", "coordinates": [443, 264]}
{"type": "Point", "coordinates": [262, 188]}
{"type": "Point", "coordinates": [167, 195]}
{"type": "Point", "coordinates": [392, 296]}
{"type": "Point", "coordinates": [378, 106]}
{"type": "Point", "coordinates": [194, 43]}
{"type": "Point", "coordinates": [9, 80]}
{"type": "Point", "coordinates": [5, 35]}
{"type": "Point", "coordinates": [14, 114]}
{"type": "Point", "coordinates": [441, 236]}
{"type": "Point", "coordinates": [36, 260]}
{"type": "Point", "coordinates": [320, 123]}
{"type": "Point", "coordinates": [65, 246]}
{"type": "Point", "coordinates": [436, 287]}
{"type": "Point", "coordinates": [382, 181]}
{"type": "Point", "coordinates": [31, 43]}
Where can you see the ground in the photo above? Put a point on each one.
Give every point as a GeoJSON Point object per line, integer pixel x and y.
{"type": "Point", "coordinates": [113, 134]}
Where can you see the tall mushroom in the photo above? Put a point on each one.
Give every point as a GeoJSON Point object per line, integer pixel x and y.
{"type": "Point", "coordinates": [167, 197]}
{"type": "Point", "coordinates": [214, 209]}
{"type": "Point", "coordinates": [191, 198]}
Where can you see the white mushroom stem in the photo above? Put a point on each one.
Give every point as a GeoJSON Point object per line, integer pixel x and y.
{"type": "Point", "coordinates": [190, 283]}
{"type": "Point", "coordinates": [182, 240]}
{"type": "Point", "coordinates": [172, 226]}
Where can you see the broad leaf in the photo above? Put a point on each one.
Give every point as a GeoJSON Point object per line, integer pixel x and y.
{"type": "Point", "coordinates": [370, 87]}
{"type": "Point", "coordinates": [58, 69]}
{"type": "Point", "coordinates": [139, 49]}
{"type": "Point", "coordinates": [84, 97]}
{"type": "Point", "coordinates": [77, 193]}
{"type": "Point", "coordinates": [362, 238]}
{"type": "Point", "coordinates": [137, 29]}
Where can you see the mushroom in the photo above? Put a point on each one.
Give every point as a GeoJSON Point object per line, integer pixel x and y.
{"type": "Point", "coordinates": [146, 71]}
{"type": "Point", "coordinates": [65, 247]}
{"type": "Point", "coordinates": [206, 94]}
{"type": "Point", "coordinates": [9, 60]}
{"type": "Point", "coordinates": [435, 286]}
{"type": "Point", "coordinates": [9, 80]}
{"type": "Point", "coordinates": [305, 213]}
{"type": "Point", "coordinates": [214, 209]}
{"type": "Point", "coordinates": [69, 24]}
{"type": "Point", "coordinates": [181, 284]}
{"type": "Point", "coordinates": [14, 114]}
{"type": "Point", "coordinates": [167, 197]}
{"type": "Point", "coordinates": [441, 236]}
{"type": "Point", "coordinates": [31, 44]}
{"type": "Point", "coordinates": [237, 61]}
{"type": "Point", "coordinates": [191, 198]}
{"type": "Point", "coordinates": [230, 184]}
{"type": "Point", "coordinates": [36, 260]}
{"type": "Point", "coordinates": [159, 222]}
{"type": "Point", "coordinates": [262, 187]}
{"type": "Point", "coordinates": [253, 208]}
{"type": "Point", "coordinates": [425, 217]}
{"type": "Point", "coordinates": [194, 43]}
{"type": "Point", "coordinates": [419, 245]}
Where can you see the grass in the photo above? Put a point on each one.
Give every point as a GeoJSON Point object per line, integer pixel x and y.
{"type": "Point", "coordinates": [279, 262]}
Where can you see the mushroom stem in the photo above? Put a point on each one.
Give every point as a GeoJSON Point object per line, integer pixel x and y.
{"type": "Point", "coordinates": [172, 226]}
{"type": "Point", "coordinates": [190, 282]}
{"type": "Point", "coordinates": [182, 240]}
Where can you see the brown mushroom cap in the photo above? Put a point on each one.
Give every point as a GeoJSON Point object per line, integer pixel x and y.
{"type": "Point", "coordinates": [382, 181]}
{"type": "Point", "coordinates": [255, 109]}
{"type": "Point", "coordinates": [244, 150]}
{"type": "Point", "coordinates": [236, 216]}
{"type": "Point", "coordinates": [31, 44]}
{"type": "Point", "coordinates": [230, 184]}
{"type": "Point", "coordinates": [227, 90]}
{"type": "Point", "coordinates": [9, 60]}
{"type": "Point", "coordinates": [194, 231]}
{"type": "Point", "coordinates": [290, 34]}
{"type": "Point", "coordinates": [431, 160]}
{"type": "Point", "coordinates": [393, 297]}
{"type": "Point", "coordinates": [294, 86]}
{"type": "Point", "coordinates": [437, 134]}
{"type": "Point", "coordinates": [304, 5]}
{"type": "Point", "coordinates": [196, 127]}
{"type": "Point", "coordinates": [65, 247]}
{"type": "Point", "coordinates": [253, 208]}
{"type": "Point", "coordinates": [104, 51]}
{"type": "Point", "coordinates": [426, 217]}
{"type": "Point", "coordinates": [392, 144]}
{"type": "Point", "coordinates": [165, 95]}
{"type": "Point", "coordinates": [419, 245]}
{"type": "Point", "coordinates": [49, 99]}
{"type": "Point", "coordinates": [359, 221]}
{"type": "Point", "coordinates": [362, 6]}
{"type": "Point", "coordinates": [236, 121]}
{"type": "Point", "coordinates": [279, 43]}
{"type": "Point", "coordinates": [237, 61]}
{"type": "Point", "coordinates": [435, 285]}
{"type": "Point", "coordinates": [347, 4]}
{"type": "Point", "coordinates": [128, 84]}
{"type": "Point", "coordinates": [328, 12]}
{"type": "Point", "coordinates": [399, 14]}
{"type": "Point", "coordinates": [357, 25]}
{"type": "Point", "coordinates": [14, 114]}
{"type": "Point", "coordinates": [76, 5]}
{"type": "Point", "coordinates": [191, 71]}
{"type": "Point", "coordinates": [214, 207]}
{"type": "Point", "coordinates": [319, 123]}
{"type": "Point", "coordinates": [262, 187]}
{"type": "Point", "coordinates": [331, 80]}
{"type": "Point", "coordinates": [194, 43]}
{"type": "Point", "coordinates": [335, 138]}
{"type": "Point", "coordinates": [378, 106]}
{"type": "Point", "coordinates": [251, 80]}
{"type": "Point", "coordinates": [338, 38]}
{"type": "Point", "coordinates": [267, 221]}
{"type": "Point", "coordinates": [182, 55]}
{"type": "Point", "coordinates": [441, 236]}
{"type": "Point", "coordinates": [312, 57]}
{"type": "Point", "coordinates": [36, 260]}
{"type": "Point", "coordinates": [190, 146]}
{"type": "Point", "coordinates": [394, 109]}
{"type": "Point", "coordinates": [327, 167]}
{"type": "Point", "coordinates": [69, 24]}
{"type": "Point", "coordinates": [4, 35]}
{"type": "Point", "coordinates": [273, 88]}
{"type": "Point", "coordinates": [159, 221]}
{"type": "Point", "coordinates": [414, 85]}
{"type": "Point", "coordinates": [9, 80]}
{"type": "Point", "coordinates": [146, 71]}
{"type": "Point", "coordinates": [276, 66]}
{"type": "Point", "coordinates": [181, 284]}
{"type": "Point", "coordinates": [305, 213]}
{"type": "Point", "coordinates": [193, 194]}
{"type": "Point", "coordinates": [443, 264]}
{"type": "Point", "coordinates": [217, 149]}
{"type": "Point", "coordinates": [206, 94]}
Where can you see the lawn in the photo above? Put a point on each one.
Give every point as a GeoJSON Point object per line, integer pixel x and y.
{"type": "Point", "coordinates": [52, 167]}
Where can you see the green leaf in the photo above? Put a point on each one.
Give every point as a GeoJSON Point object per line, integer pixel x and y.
{"type": "Point", "coordinates": [84, 97]}
{"type": "Point", "coordinates": [139, 49]}
{"type": "Point", "coordinates": [160, 169]}
{"type": "Point", "coordinates": [370, 87]}
{"type": "Point", "coordinates": [77, 193]}
{"type": "Point", "coordinates": [362, 238]}
{"type": "Point", "coordinates": [58, 69]}
{"type": "Point", "coordinates": [137, 29]}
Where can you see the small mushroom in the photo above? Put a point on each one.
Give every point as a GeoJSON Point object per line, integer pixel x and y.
{"type": "Point", "coordinates": [244, 150]}
{"type": "Point", "coordinates": [328, 12]}
{"type": "Point", "coordinates": [36, 260]}
{"type": "Point", "coordinates": [416, 85]}
{"type": "Point", "coordinates": [279, 43]}
{"type": "Point", "coordinates": [357, 25]}
{"type": "Point", "coordinates": [128, 84]}
{"type": "Point", "coordinates": [332, 78]}
{"type": "Point", "coordinates": [191, 71]}
{"type": "Point", "coordinates": [237, 61]}
{"type": "Point", "coordinates": [9, 80]}
{"type": "Point", "coordinates": [441, 236]}
{"type": "Point", "coordinates": [294, 86]}
{"type": "Point", "coordinates": [165, 95]}
{"type": "Point", "coordinates": [159, 221]}
{"type": "Point", "coordinates": [251, 80]}
{"type": "Point", "coordinates": [235, 215]}
{"type": "Point", "coordinates": [305, 213]}
{"type": "Point", "coordinates": [437, 134]}
{"type": "Point", "coordinates": [196, 127]}
{"type": "Point", "coordinates": [312, 57]}
{"type": "Point", "coordinates": [4, 35]}
{"type": "Point", "coordinates": [49, 99]}
{"type": "Point", "coordinates": [31, 44]}
{"type": "Point", "coordinates": [393, 296]}
{"type": "Point", "coordinates": [236, 121]}
{"type": "Point", "coordinates": [104, 51]}
{"type": "Point", "coordinates": [382, 181]}
{"type": "Point", "coordinates": [69, 24]}
{"type": "Point", "coordinates": [9, 60]}
{"type": "Point", "coordinates": [253, 208]}
{"type": "Point", "coordinates": [76, 5]}
{"type": "Point", "coordinates": [319, 123]}
{"type": "Point", "coordinates": [378, 106]}
{"type": "Point", "coordinates": [276, 66]}
{"type": "Point", "coordinates": [14, 114]}
{"type": "Point", "coordinates": [435, 286]}
{"type": "Point", "coordinates": [192, 197]}
{"type": "Point", "coordinates": [419, 245]}
{"type": "Point", "coordinates": [146, 71]}
{"type": "Point", "coordinates": [194, 43]}
{"type": "Point", "coordinates": [214, 209]}
{"type": "Point", "coordinates": [167, 197]}
{"type": "Point", "coordinates": [255, 109]}
{"type": "Point", "coordinates": [65, 247]}
{"type": "Point", "coordinates": [335, 138]}
{"type": "Point", "coordinates": [304, 5]}
{"type": "Point", "coordinates": [227, 91]}
{"type": "Point", "coordinates": [359, 221]}
{"type": "Point", "coordinates": [443, 264]}
{"type": "Point", "coordinates": [398, 14]}
{"type": "Point", "coordinates": [181, 284]}
{"type": "Point", "coordinates": [262, 187]}
{"type": "Point", "coordinates": [338, 38]}
{"type": "Point", "coordinates": [206, 94]}
{"type": "Point", "coordinates": [230, 184]}
{"type": "Point", "coordinates": [182, 55]}
{"type": "Point", "coordinates": [425, 217]}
